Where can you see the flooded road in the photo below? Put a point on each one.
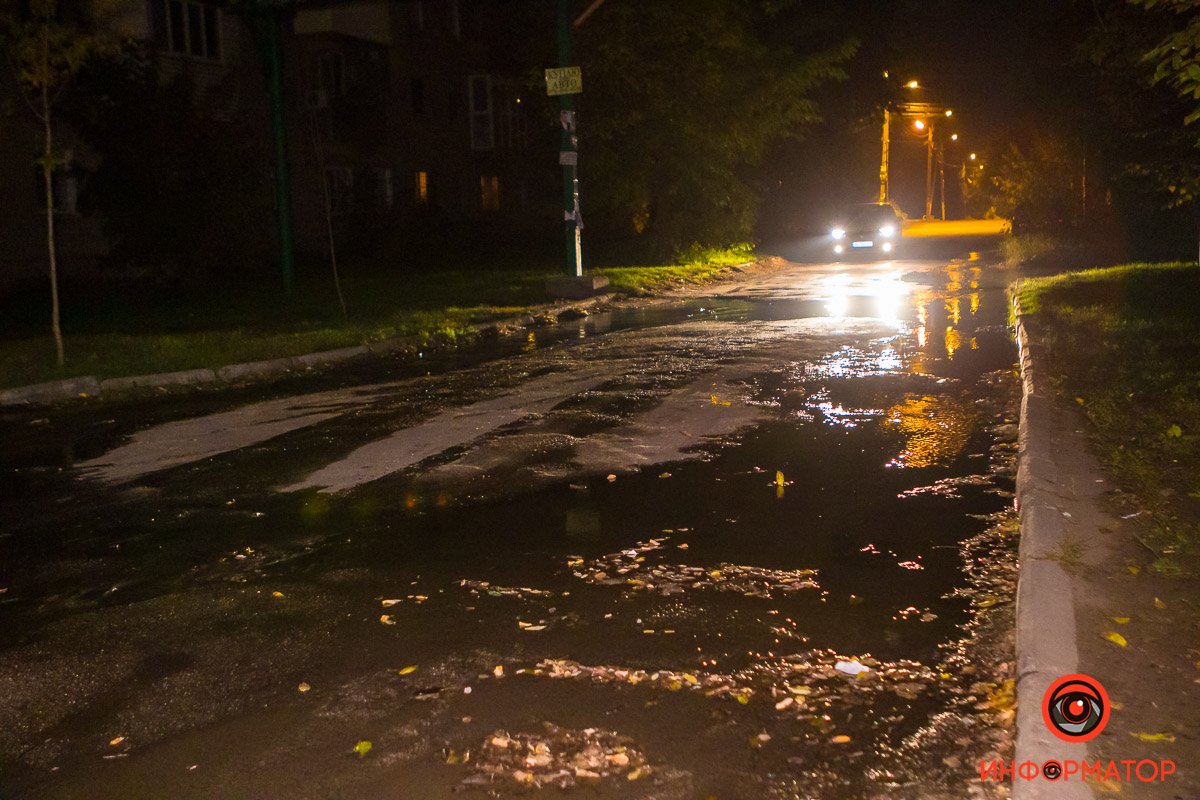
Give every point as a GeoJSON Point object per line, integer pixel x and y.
{"type": "Point", "coordinates": [706, 548]}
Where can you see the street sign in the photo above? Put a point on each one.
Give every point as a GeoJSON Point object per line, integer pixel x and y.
{"type": "Point", "coordinates": [564, 80]}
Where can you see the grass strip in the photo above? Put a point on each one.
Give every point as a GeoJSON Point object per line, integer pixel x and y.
{"type": "Point", "coordinates": [1123, 343]}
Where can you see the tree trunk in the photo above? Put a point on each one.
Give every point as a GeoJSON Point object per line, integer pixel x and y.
{"type": "Point", "coordinates": [48, 178]}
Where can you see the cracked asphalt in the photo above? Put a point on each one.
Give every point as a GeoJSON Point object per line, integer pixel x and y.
{"type": "Point", "coordinates": [623, 555]}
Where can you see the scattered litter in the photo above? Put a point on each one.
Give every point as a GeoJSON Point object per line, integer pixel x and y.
{"type": "Point", "coordinates": [851, 667]}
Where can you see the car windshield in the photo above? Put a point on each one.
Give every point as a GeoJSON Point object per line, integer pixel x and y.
{"type": "Point", "coordinates": [870, 215]}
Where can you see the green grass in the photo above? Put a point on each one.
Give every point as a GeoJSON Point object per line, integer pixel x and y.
{"type": "Point", "coordinates": [129, 330]}
{"type": "Point", "coordinates": [1124, 344]}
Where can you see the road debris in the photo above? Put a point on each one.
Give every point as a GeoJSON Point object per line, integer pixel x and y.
{"type": "Point", "coordinates": [555, 757]}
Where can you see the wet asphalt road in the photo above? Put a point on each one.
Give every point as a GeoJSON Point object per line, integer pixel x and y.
{"type": "Point", "coordinates": [621, 555]}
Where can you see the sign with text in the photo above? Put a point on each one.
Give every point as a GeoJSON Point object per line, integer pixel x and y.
{"type": "Point", "coordinates": [564, 80]}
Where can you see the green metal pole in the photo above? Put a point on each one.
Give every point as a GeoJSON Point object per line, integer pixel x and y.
{"type": "Point", "coordinates": [283, 185]}
{"type": "Point", "coordinates": [569, 150]}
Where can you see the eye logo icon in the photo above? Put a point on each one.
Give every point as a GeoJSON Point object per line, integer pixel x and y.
{"type": "Point", "coordinates": [1076, 708]}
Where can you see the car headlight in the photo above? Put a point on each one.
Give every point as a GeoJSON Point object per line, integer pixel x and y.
{"type": "Point", "coordinates": [838, 233]}
{"type": "Point", "coordinates": [887, 231]}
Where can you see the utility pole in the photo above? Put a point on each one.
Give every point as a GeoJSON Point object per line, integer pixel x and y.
{"type": "Point", "coordinates": [929, 171]}
{"type": "Point", "coordinates": [565, 82]}
{"type": "Point", "coordinates": [268, 21]}
{"type": "Point", "coordinates": [884, 189]}
{"type": "Point", "coordinates": [942, 174]}
{"type": "Point", "coordinates": [568, 151]}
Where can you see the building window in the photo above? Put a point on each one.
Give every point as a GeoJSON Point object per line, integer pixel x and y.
{"type": "Point", "coordinates": [331, 74]}
{"type": "Point", "coordinates": [489, 186]}
{"type": "Point", "coordinates": [417, 92]}
{"type": "Point", "coordinates": [341, 190]}
{"type": "Point", "coordinates": [483, 133]}
{"type": "Point", "coordinates": [514, 133]}
{"type": "Point", "coordinates": [421, 188]}
{"type": "Point", "coordinates": [193, 29]}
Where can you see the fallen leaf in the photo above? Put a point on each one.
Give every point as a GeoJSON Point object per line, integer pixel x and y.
{"type": "Point", "coordinates": [116, 741]}
{"type": "Point", "coordinates": [779, 478]}
{"type": "Point", "coordinates": [409, 670]}
{"type": "Point", "coordinates": [276, 594]}
{"type": "Point", "coordinates": [498, 671]}
{"type": "Point", "coordinates": [386, 619]}
{"type": "Point", "coordinates": [1159, 603]}
{"type": "Point", "coordinates": [303, 687]}
{"type": "Point", "coordinates": [1121, 620]}
{"type": "Point", "coordinates": [611, 477]}
{"type": "Point", "coordinates": [388, 603]}
{"type": "Point", "coordinates": [1174, 432]}
{"type": "Point", "coordinates": [362, 748]}
{"type": "Point", "coordinates": [1154, 737]}
{"type": "Point", "coordinates": [841, 738]}
{"type": "Point", "coordinates": [1133, 569]}
{"type": "Point", "coordinates": [1116, 638]}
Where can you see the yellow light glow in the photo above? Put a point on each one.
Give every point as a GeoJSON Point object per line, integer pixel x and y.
{"type": "Point", "coordinates": [919, 124]}
{"type": "Point", "coordinates": [953, 342]}
{"type": "Point", "coordinates": [935, 428]}
{"type": "Point", "coordinates": [936, 228]}
{"type": "Point", "coordinates": [972, 156]}
{"type": "Point", "coordinates": [954, 137]}
{"type": "Point", "coordinates": [949, 112]}
{"type": "Point", "coordinates": [913, 85]}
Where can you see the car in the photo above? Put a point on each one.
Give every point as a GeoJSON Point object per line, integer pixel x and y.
{"type": "Point", "coordinates": [870, 229]}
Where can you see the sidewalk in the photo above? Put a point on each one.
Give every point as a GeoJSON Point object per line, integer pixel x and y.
{"type": "Point", "coordinates": [1083, 579]}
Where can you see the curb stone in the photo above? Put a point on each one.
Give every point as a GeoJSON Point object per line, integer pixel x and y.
{"type": "Point", "coordinates": [187, 377]}
{"type": "Point", "coordinates": [51, 391]}
{"type": "Point", "coordinates": [1046, 636]}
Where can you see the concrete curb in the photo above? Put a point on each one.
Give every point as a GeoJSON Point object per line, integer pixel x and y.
{"type": "Point", "coordinates": [253, 371]}
{"type": "Point", "coordinates": [1046, 637]}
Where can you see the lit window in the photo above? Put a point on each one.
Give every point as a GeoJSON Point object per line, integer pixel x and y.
{"type": "Point", "coordinates": [490, 188]}
{"type": "Point", "coordinates": [192, 29]}
{"type": "Point", "coordinates": [483, 133]}
{"type": "Point", "coordinates": [422, 188]}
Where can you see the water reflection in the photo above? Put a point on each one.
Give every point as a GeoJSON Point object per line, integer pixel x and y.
{"type": "Point", "coordinates": [935, 429]}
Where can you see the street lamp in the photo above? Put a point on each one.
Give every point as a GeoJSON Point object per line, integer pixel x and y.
{"type": "Point", "coordinates": [954, 137]}
{"type": "Point", "coordinates": [913, 84]}
{"type": "Point", "coordinates": [919, 124]}
{"type": "Point", "coordinates": [972, 156]}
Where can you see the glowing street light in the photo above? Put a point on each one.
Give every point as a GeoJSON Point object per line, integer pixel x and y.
{"type": "Point", "coordinates": [954, 137]}
{"type": "Point", "coordinates": [972, 156]}
{"type": "Point", "coordinates": [919, 124]}
{"type": "Point", "coordinates": [949, 112]}
{"type": "Point", "coordinates": [913, 84]}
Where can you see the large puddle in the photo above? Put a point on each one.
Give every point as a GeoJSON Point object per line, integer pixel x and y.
{"type": "Point", "coordinates": [757, 603]}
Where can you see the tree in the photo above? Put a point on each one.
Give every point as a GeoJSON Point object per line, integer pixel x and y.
{"type": "Point", "coordinates": [681, 100]}
{"type": "Point", "coordinates": [48, 43]}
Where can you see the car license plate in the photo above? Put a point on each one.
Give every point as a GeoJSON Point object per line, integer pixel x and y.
{"type": "Point", "coordinates": [862, 244]}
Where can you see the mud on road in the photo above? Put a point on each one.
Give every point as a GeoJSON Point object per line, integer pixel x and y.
{"type": "Point", "coordinates": [751, 544]}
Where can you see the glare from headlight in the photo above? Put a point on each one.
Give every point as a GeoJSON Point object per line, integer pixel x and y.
{"type": "Point", "coordinates": [837, 248]}
{"type": "Point", "coordinates": [887, 231]}
{"type": "Point", "coordinates": [837, 233]}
